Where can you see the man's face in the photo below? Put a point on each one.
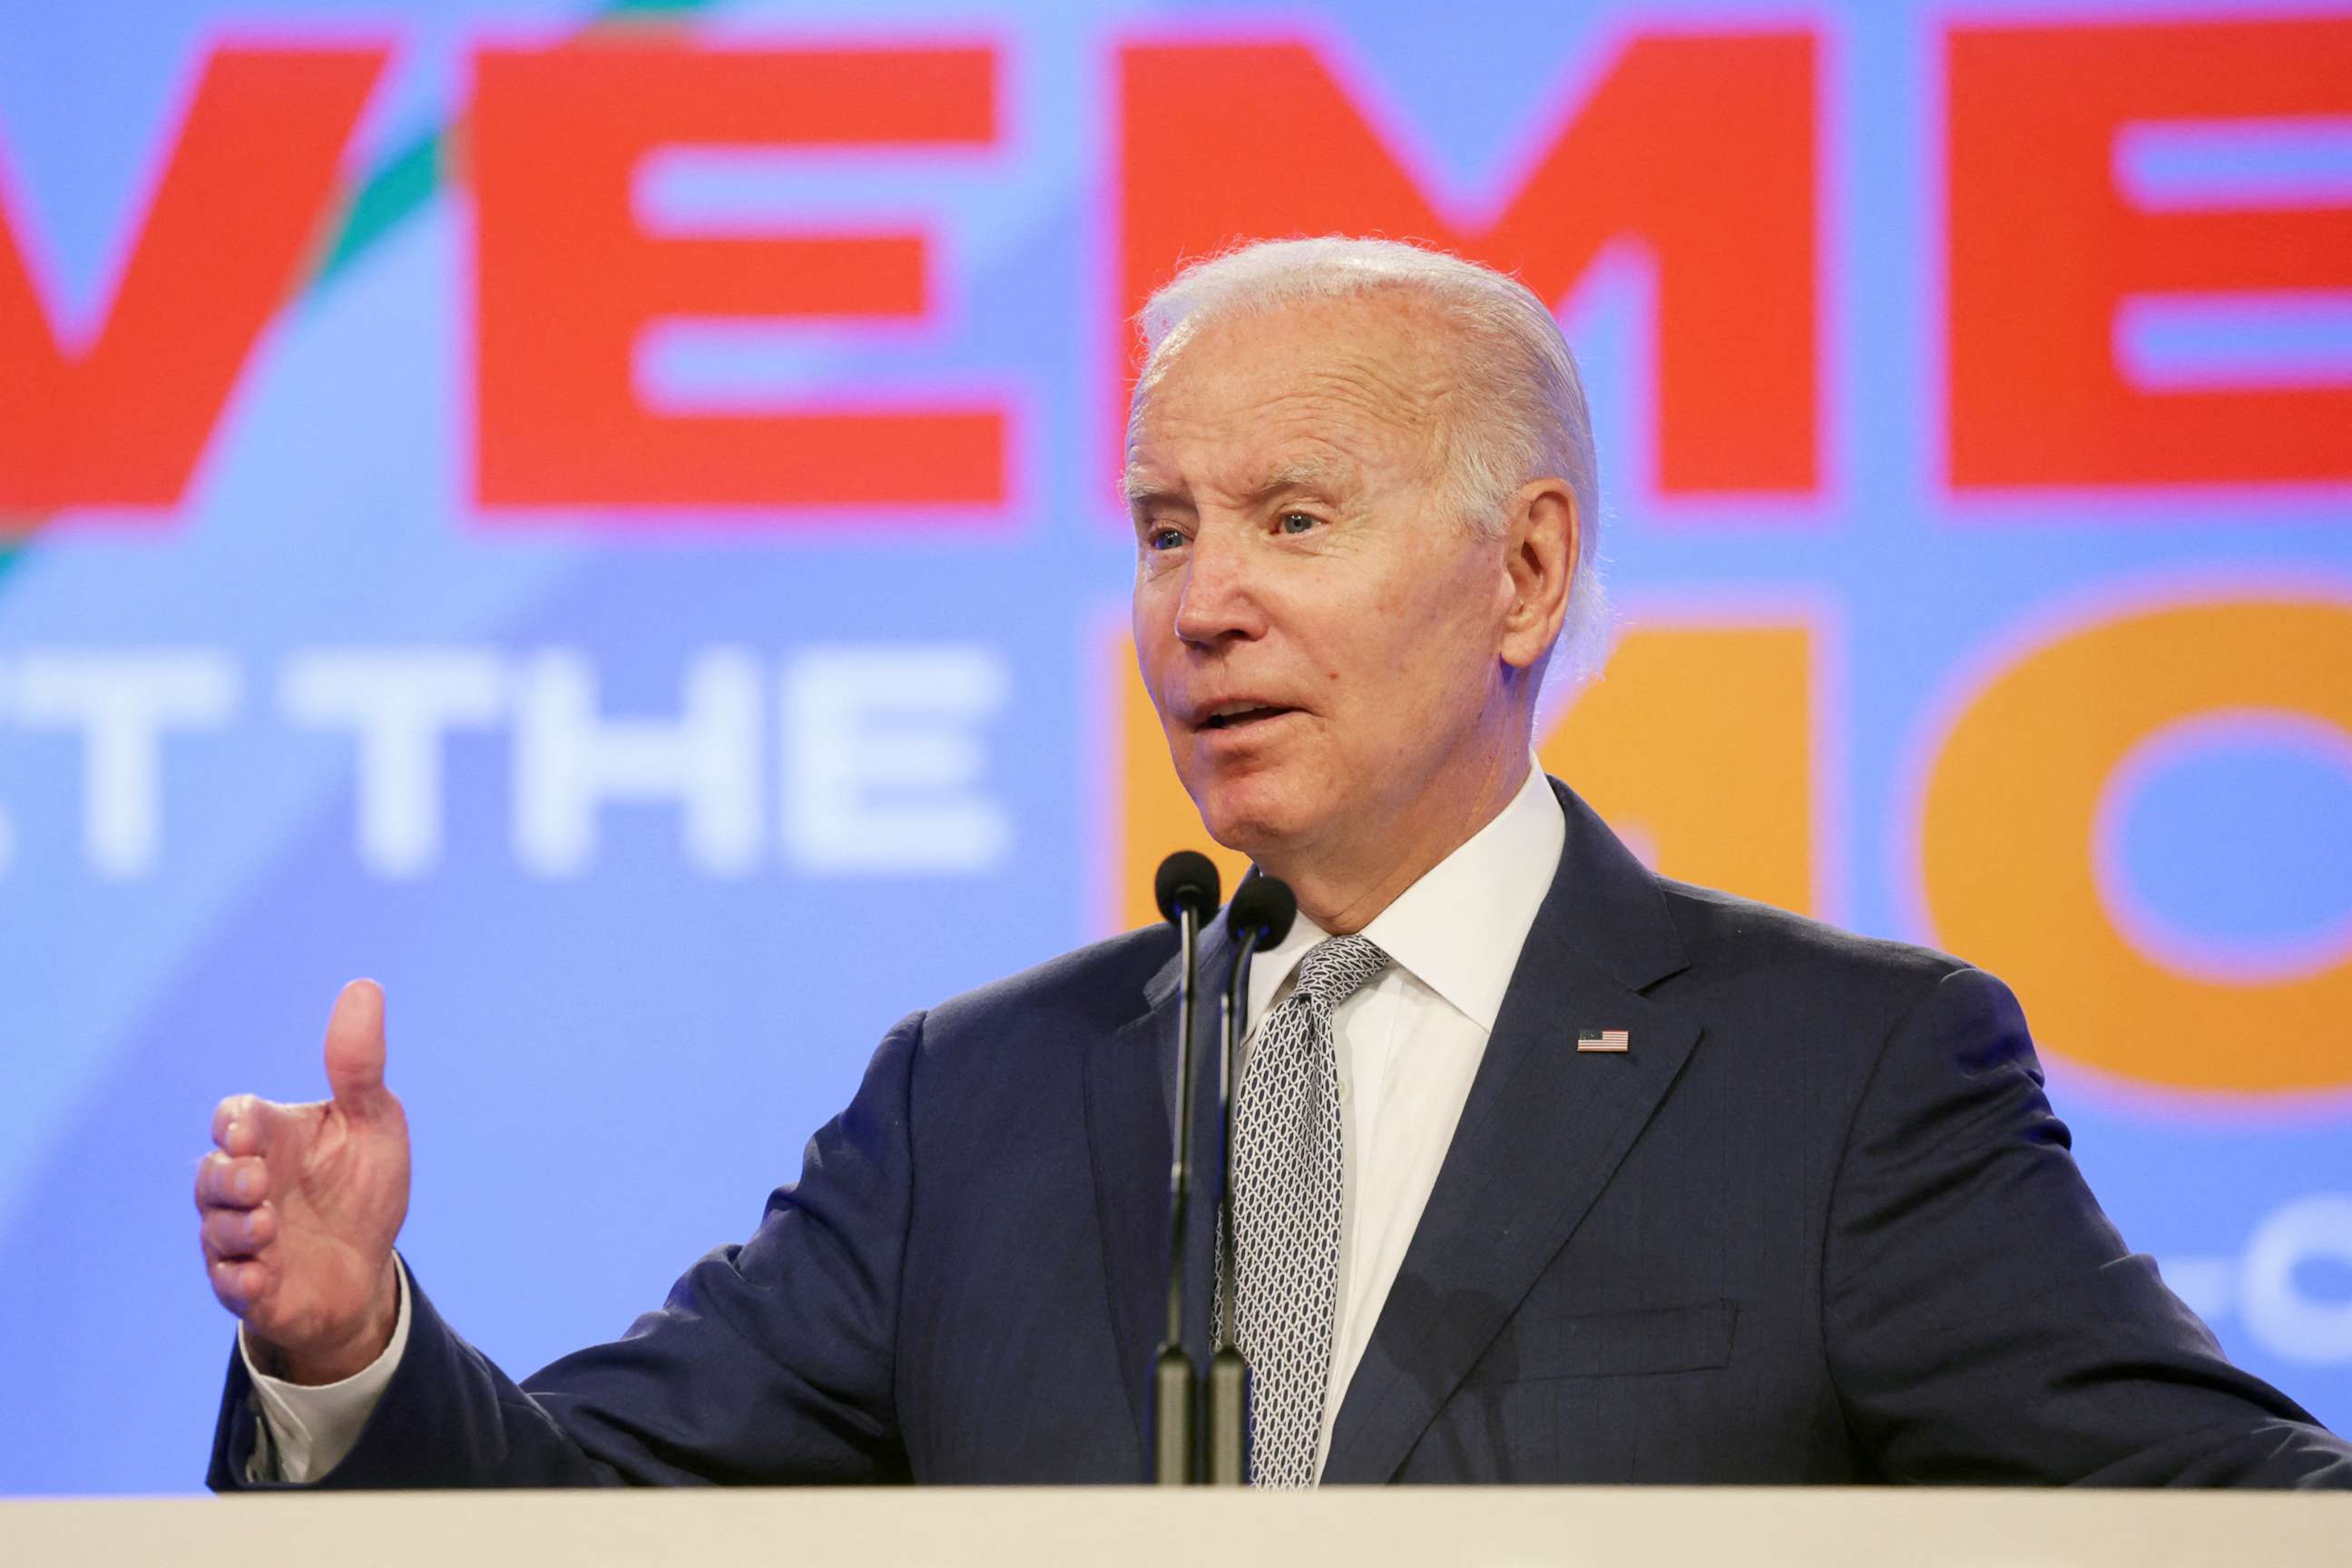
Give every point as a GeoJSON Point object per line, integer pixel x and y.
{"type": "Point", "coordinates": [1318, 631]}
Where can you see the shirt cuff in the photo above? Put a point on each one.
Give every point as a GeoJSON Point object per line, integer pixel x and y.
{"type": "Point", "coordinates": [306, 1430]}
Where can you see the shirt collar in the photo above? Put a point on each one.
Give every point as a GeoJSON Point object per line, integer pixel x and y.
{"type": "Point", "coordinates": [1460, 927]}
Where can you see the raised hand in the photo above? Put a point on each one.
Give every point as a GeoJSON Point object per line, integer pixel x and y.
{"type": "Point", "coordinates": [301, 1205]}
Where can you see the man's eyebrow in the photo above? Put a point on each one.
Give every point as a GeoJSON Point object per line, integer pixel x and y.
{"type": "Point", "coordinates": [1306, 474]}
{"type": "Point", "coordinates": [1143, 490]}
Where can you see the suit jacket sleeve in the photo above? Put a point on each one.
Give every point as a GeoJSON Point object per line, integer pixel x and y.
{"type": "Point", "coordinates": [1983, 1320]}
{"type": "Point", "coordinates": [771, 1361]}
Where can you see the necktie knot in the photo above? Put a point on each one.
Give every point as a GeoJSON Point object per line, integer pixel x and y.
{"type": "Point", "coordinates": [1336, 968]}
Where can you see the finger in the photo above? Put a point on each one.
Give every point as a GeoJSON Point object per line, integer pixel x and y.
{"type": "Point", "coordinates": [246, 1124]}
{"type": "Point", "coordinates": [237, 1285]}
{"type": "Point", "coordinates": [355, 1050]}
{"type": "Point", "coordinates": [236, 1107]}
{"type": "Point", "coordinates": [239, 1234]}
{"type": "Point", "coordinates": [223, 1181]}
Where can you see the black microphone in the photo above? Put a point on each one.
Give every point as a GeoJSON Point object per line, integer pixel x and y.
{"type": "Point", "coordinates": [1187, 891]}
{"type": "Point", "coordinates": [1261, 917]}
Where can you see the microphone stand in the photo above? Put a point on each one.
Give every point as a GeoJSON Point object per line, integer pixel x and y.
{"type": "Point", "coordinates": [1186, 888]}
{"type": "Point", "coordinates": [1174, 1379]}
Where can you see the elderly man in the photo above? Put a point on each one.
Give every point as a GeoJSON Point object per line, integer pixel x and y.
{"type": "Point", "coordinates": [1551, 1170]}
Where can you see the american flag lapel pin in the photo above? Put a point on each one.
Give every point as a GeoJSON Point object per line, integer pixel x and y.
{"type": "Point", "coordinates": [1603, 1040]}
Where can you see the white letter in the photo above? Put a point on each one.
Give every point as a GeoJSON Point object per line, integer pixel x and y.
{"type": "Point", "coordinates": [882, 760]}
{"type": "Point", "coordinates": [2288, 1322]}
{"type": "Point", "coordinates": [398, 703]}
{"type": "Point", "coordinates": [122, 703]}
{"type": "Point", "coordinates": [567, 761]}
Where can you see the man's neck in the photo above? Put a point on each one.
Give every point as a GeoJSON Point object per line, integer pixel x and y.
{"type": "Point", "coordinates": [1343, 894]}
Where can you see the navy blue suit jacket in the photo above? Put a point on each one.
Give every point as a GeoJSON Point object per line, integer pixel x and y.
{"type": "Point", "coordinates": [1817, 1223]}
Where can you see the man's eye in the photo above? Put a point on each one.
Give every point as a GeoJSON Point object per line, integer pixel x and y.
{"type": "Point", "coordinates": [1299, 521]}
{"type": "Point", "coordinates": [1163, 539]}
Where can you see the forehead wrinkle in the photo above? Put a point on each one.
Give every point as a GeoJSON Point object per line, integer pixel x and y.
{"type": "Point", "coordinates": [1331, 431]}
{"type": "Point", "coordinates": [1246, 450]}
{"type": "Point", "coordinates": [1368, 404]}
{"type": "Point", "coordinates": [1309, 462]}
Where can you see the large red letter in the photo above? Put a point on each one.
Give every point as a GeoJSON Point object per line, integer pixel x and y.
{"type": "Point", "coordinates": [1698, 146]}
{"type": "Point", "coordinates": [568, 279]}
{"type": "Point", "coordinates": [124, 421]}
{"type": "Point", "coordinates": [2046, 250]}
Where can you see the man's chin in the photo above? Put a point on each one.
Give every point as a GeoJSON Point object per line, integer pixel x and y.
{"type": "Point", "coordinates": [1261, 829]}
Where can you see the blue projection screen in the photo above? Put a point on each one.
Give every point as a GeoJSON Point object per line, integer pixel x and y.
{"type": "Point", "coordinates": [605, 520]}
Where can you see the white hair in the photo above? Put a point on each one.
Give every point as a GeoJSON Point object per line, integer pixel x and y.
{"type": "Point", "coordinates": [1521, 414]}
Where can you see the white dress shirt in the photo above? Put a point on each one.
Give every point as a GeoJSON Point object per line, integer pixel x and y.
{"type": "Point", "coordinates": [1410, 1043]}
{"type": "Point", "coordinates": [1408, 1046]}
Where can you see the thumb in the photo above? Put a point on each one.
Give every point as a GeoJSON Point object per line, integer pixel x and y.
{"type": "Point", "coordinates": [355, 1050]}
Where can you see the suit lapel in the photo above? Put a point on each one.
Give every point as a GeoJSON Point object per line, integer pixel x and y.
{"type": "Point", "coordinates": [1131, 1100]}
{"type": "Point", "coordinates": [1544, 1128]}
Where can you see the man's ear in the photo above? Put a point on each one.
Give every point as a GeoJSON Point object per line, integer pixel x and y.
{"type": "Point", "coordinates": [1540, 537]}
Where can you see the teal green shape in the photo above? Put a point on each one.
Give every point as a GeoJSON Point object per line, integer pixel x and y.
{"type": "Point", "coordinates": [407, 182]}
{"type": "Point", "coordinates": [401, 186]}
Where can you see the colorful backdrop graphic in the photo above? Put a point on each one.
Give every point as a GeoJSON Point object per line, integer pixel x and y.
{"type": "Point", "coordinates": [605, 521]}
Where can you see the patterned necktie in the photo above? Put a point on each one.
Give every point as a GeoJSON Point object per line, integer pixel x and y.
{"type": "Point", "coordinates": [1286, 1162]}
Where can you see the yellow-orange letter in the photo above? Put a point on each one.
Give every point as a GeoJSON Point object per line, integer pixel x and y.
{"type": "Point", "coordinates": [2006, 853]}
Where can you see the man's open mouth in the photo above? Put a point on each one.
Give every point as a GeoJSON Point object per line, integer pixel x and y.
{"type": "Point", "coordinates": [1241, 716]}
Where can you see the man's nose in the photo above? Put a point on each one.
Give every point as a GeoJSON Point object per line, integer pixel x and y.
{"type": "Point", "coordinates": [1220, 599]}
